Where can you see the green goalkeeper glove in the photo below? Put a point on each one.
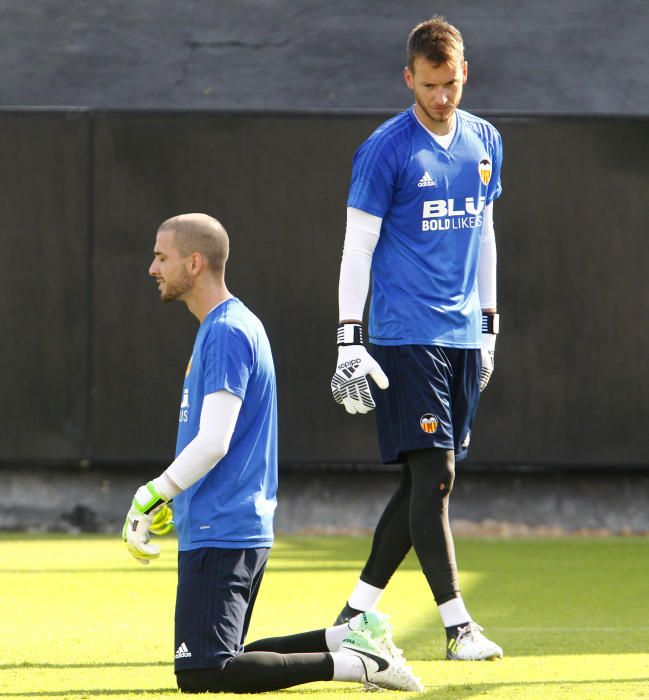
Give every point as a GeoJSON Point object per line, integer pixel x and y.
{"type": "Point", "coordinates": [148, 514]}
{"type": "Point", "coordinates": [163, 522]}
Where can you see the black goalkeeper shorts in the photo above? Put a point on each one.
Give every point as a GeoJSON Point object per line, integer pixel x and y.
{"type": "Point", "coordinates": [431, 401]}
{"type": "Point", "coordinates": [216, 593]}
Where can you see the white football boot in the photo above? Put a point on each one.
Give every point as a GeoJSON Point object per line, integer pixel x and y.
{"type": "Point", "coordinates": [378, 627]}
{"type": "Point", "coordinates": [382, 670]}
{"type": "Point", "coordinates": [471, 645]}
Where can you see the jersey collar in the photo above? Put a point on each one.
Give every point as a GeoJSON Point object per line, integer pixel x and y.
{"type": "Point", "coordinates": [455, 130]}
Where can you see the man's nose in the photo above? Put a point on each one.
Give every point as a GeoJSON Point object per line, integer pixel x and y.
{"type": "Point", "coordinates": [441, 97]}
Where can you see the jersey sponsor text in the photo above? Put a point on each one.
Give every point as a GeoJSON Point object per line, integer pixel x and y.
{"type": "Point", "coordinates": [446, 214]}
{"type": "Point", "coordinates": [447, 207]}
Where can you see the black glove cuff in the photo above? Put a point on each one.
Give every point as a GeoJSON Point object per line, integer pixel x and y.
{"type": "Point", "coordinates": [491, 323]}
{"type": "Point", "coordinates": [349, 334]}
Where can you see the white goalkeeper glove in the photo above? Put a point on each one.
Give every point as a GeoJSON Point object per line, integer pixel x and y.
{"type": "Point", "coordinates": [490, 328]}
{"type": "Point", "coordinates": [149, 514]}
{"type": "Point", "coordinates": [349, 384]}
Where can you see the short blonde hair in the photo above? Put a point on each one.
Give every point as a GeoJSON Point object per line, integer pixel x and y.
{"type": "Point", "coordinates": [200, 233]}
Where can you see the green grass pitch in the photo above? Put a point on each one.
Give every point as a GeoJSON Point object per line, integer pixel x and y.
{"type": "Point", "coordinates": [81, 619]}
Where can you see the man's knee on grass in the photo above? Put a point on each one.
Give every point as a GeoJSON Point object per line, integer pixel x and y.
{"type": "Point", "coordinates": [258, 672]}
{"type": "Point", "coordinates": [200, 680]}
{"type": "Point", "coordinates": [229, 677]}
{"type": "Point", "coordinates": [253, 672]}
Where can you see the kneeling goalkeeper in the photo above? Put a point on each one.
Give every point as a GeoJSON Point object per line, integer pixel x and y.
{"type": "Point", "coordinates": [223, 483]}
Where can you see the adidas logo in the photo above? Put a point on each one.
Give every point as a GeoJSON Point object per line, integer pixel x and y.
{"type": "Point", "coordinates": [183, 652]}
{"type": "Point", "coordinates": [427, 181]}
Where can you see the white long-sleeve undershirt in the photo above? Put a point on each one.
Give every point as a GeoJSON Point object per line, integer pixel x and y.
{"type": "Point", "coordinates": [487, 262]}
{"type": "Point", "coordinates": [217, 422]}
{"type": "Point", "coordinates": [361, 237]}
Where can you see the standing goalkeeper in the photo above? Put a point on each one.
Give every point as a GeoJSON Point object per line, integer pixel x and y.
{"type": "Point", "coordinates": [420, 218]}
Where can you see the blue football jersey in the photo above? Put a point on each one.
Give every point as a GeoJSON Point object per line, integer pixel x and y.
{"type": "Point", "coordinates": [431, 200]}
{"type": "Point", "coordinates": [232, 506]}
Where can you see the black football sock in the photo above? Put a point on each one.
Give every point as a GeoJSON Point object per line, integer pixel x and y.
{"type": "Point", "coordinates": [346, 614]}
{"type": "Point", "coordinates": [304, 642]}
{"type": "Point", "coordinates": [454, 630]}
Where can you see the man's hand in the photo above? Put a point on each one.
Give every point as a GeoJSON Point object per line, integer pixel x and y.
{"type": "Point", "coordinates": [490, 328]}
{"type": "Point", "coordinates": [487, 352]}
{"type": "Point", "coordinates": [349, 384]}
{"type": "Point", "coordinates": [148, 514]}
{"type": "Point", "coordinates": [163, 522]}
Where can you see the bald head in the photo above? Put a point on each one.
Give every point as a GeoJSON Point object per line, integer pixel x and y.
{"type": "Point", "coordinates": [200, 233]}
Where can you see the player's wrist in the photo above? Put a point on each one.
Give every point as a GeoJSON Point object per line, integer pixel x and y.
{"type": "Point", "coordinates": [148, 498]}
{"type": "Point", "coordinates": [488, 342]}
{"type": "Point", "coordinates": [490, 322]}
{"type": "Point", "coordinates": [349, 333]}
{"type": "Point", "coordinates": [166, 487]}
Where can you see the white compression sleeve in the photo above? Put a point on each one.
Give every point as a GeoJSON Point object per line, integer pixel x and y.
{"type": "Point", "coordinates": [361, 237]}
{"type": "Point", "coordinates": [218, 419]}
{"type": "Point", "coordinates": [487, 261]}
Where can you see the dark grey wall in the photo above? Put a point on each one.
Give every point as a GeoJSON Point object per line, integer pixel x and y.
{"type": "Point", "coordinates": [560, 56]}
{"type": "Point", "coordinates": [92, 363]}
{"type": "Point", "coordinates": [44, 304]}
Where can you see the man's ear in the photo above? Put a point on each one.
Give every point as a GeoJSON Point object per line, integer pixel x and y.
{"type": "Point", "coordinates": [196, 263]}
{"type": "Point", "coordinates": [408, 77]}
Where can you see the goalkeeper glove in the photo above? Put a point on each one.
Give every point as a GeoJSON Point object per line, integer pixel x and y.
{"type": "Point", "coordinates": [163, 522]}
{"type": "Point", "coordinates": [490, 328]}
{"type": "Point", "coordinates": [349, 384]}
{"type": "Point", "coordinates": [148, 513]}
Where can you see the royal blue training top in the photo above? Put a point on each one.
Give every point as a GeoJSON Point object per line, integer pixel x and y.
{"type": "Point", "coordinates": [431, 200]}
{"type": "Point", "coordinates": [232, 506]}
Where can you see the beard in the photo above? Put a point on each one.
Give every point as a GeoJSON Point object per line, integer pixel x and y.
{"type": "Point", "coordinates": [445, 114]}
{"type": "Point", "coordinates": [439, 116]}
{"type": "Point", "coordinates": [174, 290]}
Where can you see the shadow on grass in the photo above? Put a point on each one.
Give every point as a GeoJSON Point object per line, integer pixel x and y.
{"type": "Point", "coordinates": [117, 664]}
{"type": "Point", "coordinates": [84, 691]}
{"type": "Point", "coordinates": [459, 691]}
{"type": "Point", "coordinates": [471, 690]}
{"type": "Point", "coordinates": [77, 570]}
{"type": "Point", "coordinates": [295, 690]}
{"type": "Point", "coordinates": [325, 553]}
{"type": "Point", "coordinates": [8, 536]}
